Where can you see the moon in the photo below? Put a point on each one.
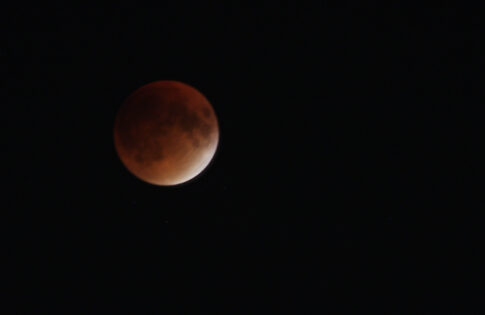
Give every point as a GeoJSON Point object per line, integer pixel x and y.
{"type": "Point", "coordinates": [166, 133]}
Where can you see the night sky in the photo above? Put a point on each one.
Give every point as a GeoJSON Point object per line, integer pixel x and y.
{"type": "Point", "coordinates": [346, 177]}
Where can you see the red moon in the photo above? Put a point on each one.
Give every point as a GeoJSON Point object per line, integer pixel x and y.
{"type": "Point", "coordinates": [166, 133]}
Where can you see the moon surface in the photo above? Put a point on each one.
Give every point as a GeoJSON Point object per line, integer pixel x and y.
{"type": "Point", "coordinates": [166, 133]}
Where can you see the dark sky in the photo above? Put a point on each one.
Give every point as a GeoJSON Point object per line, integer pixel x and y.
{"type": "Point", "coordinates": [345, 178]}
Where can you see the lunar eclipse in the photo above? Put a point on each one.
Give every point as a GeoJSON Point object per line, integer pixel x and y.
{"type": "Point", "coordinates": [166, 133]}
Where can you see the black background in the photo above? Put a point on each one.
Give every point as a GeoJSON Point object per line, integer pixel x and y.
{"type": "Point", "coordinates": [346, 177]}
